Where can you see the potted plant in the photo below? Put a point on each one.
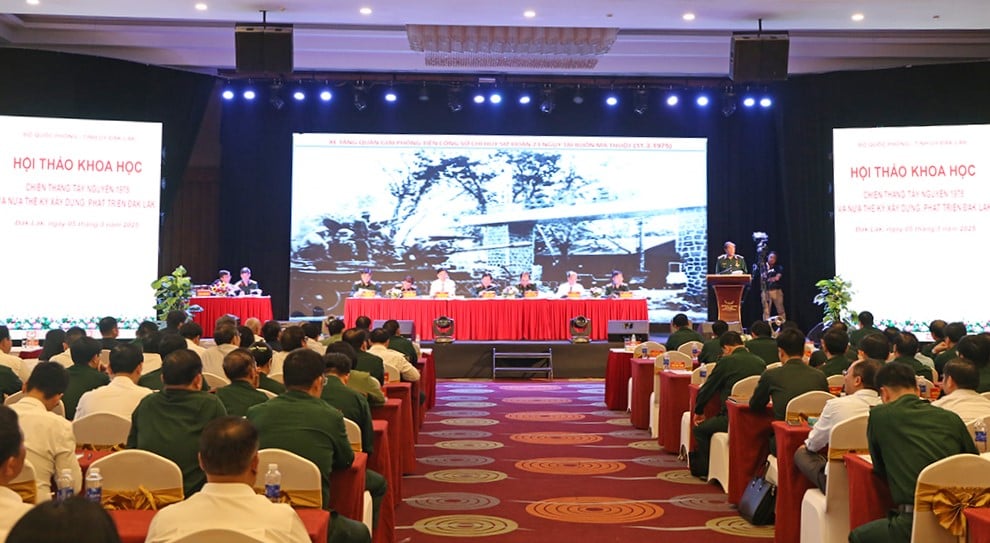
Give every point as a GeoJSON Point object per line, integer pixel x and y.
{"type": "Point", "coordinates": [172, 292]}
{"type": "Point", "coordinates": [834, 296]}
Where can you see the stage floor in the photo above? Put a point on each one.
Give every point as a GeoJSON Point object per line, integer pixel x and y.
{"type": "Point", "coordinates": [473, 359]}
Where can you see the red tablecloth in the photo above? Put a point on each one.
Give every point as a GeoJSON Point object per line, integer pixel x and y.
{"type": "Point", "coordinates": [711, 409]}
{"type": "Point", "coordinates": [392, 412]}
{"type": "Point", "coordinates": [978, 524]}
{"type": "Point", "coordinates": [869, 494]}
{"type": "Point", "coordinates": [791, 483]}
{"type": "Point", "coordinates": [27, 353]}
{"type": "Point", "coordinates": [347, 488]}
{"type": "Point", "coordinates": [133, 525]}
{"type": "Point", "coordinates": [749, 444]}
{"type": "Point", "coordinates": [245, 307]}
{"type": "Point", "coordinates": [381, 461]}
{"type": "Point", "coordinates": [674, 401]}
{"type": "Point", "coordinates": [641, 370]}
{"type": "Point", "coordinates": [617, 379]}
{"type": "Point", "coordinates": [428, 374]}
{"type": "Point", "coordinates": [495, 319]}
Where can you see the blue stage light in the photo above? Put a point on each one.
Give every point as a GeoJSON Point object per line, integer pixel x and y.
{"type": "Point", "coordinates": [249, 94]}
{"type": "Point", "coordinates": [479, 99]}
{"type": "Point", "coordinates": [299, 95]}
{"type": "Point", "coordinates": [326, 96]}
{"type": "Point", "coordinates": [749, 101]}
{"type": "Point", "coordinates": [390, 96]}
{"type": "Point", "coordinates": [766, 102]}
{"type": "Point", "coordinates": [227, 94]}
{"type": "Point", "coordinates": [702, 100]}
{"type": "Point", "coordinates": [525, 99]}
{"type": "Point", "coordinates": [672, 100]}
{"type": "Point", "coordinates": [612, 100]}
{"type": "Point", "coordinates": [495, 98]}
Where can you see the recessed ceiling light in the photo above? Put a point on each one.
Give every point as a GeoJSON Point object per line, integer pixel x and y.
{"type": "Point", "coordinates": [688, 16]}
{"type": "Point", "coordinates": [858, 17]}
{"type": "Point", "coordinates": [365, 11]}
{"type": "Point", "coordinates": [201, 6]}
{"type": "Point", "coordinates": [529, 14]}
{"type": "Point", "coordinates": [33, 2]}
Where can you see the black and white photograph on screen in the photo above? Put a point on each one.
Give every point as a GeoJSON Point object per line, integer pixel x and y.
{"type": "Point", "coordinates": [408, 205]}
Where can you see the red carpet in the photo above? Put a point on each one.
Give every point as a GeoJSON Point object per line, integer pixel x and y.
{"type": "Point", "coordinates": [523, 461]}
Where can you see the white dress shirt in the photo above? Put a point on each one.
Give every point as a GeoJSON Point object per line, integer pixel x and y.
{"type": "Point", "coordinates": [566, 288]}
{"type": "Point", "coordinates": [837, 410]}
{"type": "Point", "coordinates": [213, 358]}
{"type": "Point", "coordinates": [966, 403]}
{"type": "Point", "coordinates": [16, 365]}
{"type": "Point", "coordinates": [925, 360]}
{"type": "Point", "coordinates": [120, 397]}
{"type": "Point", "coordinates": [278, 361]}
{"type": "Point", "coordinates": [315, 345]}
{"type": "Point", "coordinates": [192, 346]}
{"type": "Point", "coordinates": [12, 508]}
{"type": "Point", "coordinates": [447, 286]}
{"type": "Point", "coordinates": [396, 360]}
{"type": "Point", "coordinates": [232, 506]}
{"type": "Point", "coordinates": [50, 444]}
{"type": "Point", "coordinates": [64, 358]}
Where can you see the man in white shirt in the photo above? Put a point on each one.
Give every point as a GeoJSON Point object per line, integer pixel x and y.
{"type": "Point", "coordinates": [12, 454]}
{"type": "Point", "coordinates": [228, 453]}
{"type": "Point", "coordinates": [254, 324]}
{"type": "Point", "coordinates": [570, 286]}
{"type": "Point", "coordinates": [65, 357]}
{"type": "Point", "coordinates": [123, 394]}
{"type": "Point", "coordinates": [312, 329]}
{"type": "Point", "coordinates": [48, 438]}
{"type": "Point", "coordinates": [292, 338]}
{"type": "Point", "coordinates": [443, 284]}
{"type": "Point", "coordinates": [6, 359]}
{"type": "Point", "coordinates": [861, 394]}
{"type": "Point", "coordinates": [392, 359]}
{"type": "Point", "coordinates": [959, 384]}
{"type": "Point", "coordinates": [192, 331]}
{"type": "Point", "coordinates": [227, 339]}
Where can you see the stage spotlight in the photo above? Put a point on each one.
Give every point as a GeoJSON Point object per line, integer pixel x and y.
{"type": "Point", "coordinates": [702, 100]}
{"type": "Point", "coordinates": [524, 99]}
{"type": "Point", "coordinates": [391, 96]}
{"type": "Point", "coordinates": [454, 99]}
{"type": "Point", "coordinates": [227, 94]}
{"type": "Point", "coordinates": [249, 94]}
{"type": "Point", "coordinates": [728, 104]}
{"type": "Point", "coordinates": [612, 100]}
{"type": "Point", "coordinates": [578, 96]}
{"type": "Point", "coordinates": [360, 98]}
{"type": "Point", "coordinates": [495, 98]}
{"type": "Point", "coordinates": [326, 95]}
{"type": "Point", "coordinates": [672, 100]}
{"type": "Point", "coordinates": [766, 101]}
{"type": "Point", "coordinates": [549, 102]}
{"type": "Point", "coordinates": [749, 101]}
{"type": "Point", "coordinates": [299, 95]}
{"type": "Point", "coordinates": [479, 98]}
{"type": "Point", "coordinates": [641, 102]}
{"type": "Point", "coordinates": [424, 94]}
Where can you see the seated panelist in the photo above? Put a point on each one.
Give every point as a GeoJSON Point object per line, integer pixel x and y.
{"type": "Point", "coordinates": [486, 285]}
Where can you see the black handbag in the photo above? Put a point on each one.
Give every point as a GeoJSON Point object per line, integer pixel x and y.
{"type": "Point", "coordinates": [759, 500]}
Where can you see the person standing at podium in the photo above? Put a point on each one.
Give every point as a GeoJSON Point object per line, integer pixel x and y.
{"type": "Point", "coordinates": [730, 262]}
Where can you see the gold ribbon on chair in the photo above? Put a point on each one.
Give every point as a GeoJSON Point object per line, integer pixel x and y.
{"type": "Point", "coordinates": [96, 447]}
{"type": "Point", "coordinates": [141, 499]}
{"type": "Point", "coordinates": [948, 503]}
{"type": "Point", "coordinates": [837, 454]}
{"type": "Point", "coordinates": [298, 499]}
{"type": "Point", "coordinates": [27, 490]}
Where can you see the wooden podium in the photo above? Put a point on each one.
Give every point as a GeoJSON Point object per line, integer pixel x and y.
{"type": "Point", "coordinates": [728, 294]}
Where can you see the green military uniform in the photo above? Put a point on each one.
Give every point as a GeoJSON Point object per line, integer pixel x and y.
{"type": "Point", "coordinates": [919, 368]}
{"type": "Point", "coordinates": [784, 384]}
{"type": "Point", "coordinates": [168, 423]}
{"type": "Point", "coordinates": [944, 357]}
{"type": "Point", "coordinates": [728, 371]}
{"type": "Point", "coordinates": [404, 346]}
{"type": "Point", "coordinates": [984, 385]}
{"type": "Point", "coordinates": [354, 406]}
{"type": "Point", "coordinates": [331, 339]}
{"type": "Point", "coordinates": [362, 382]}
{"type": "Point", "coordinates": [711, 352]}
{"type": "Point", "coordinates": [10, 383]}
{"type": "Point", "coordinates": [682, 336]}
{"type": "Point", "coordinates": [730, 264]}
{"type": "Point", "coordinates": [819, 358]}
{"type": "Point", "coordinates": [371, 364]}
{"type": "Point", "coordinates": [358, 285]}
{"type": "Point", "coordinates": [612, 290]}
{"type": "Point", "coordinates": [765, 348]}
{"type": "Point", "coordinates": [153, 380]}
{"type": "Point", "coordinates": [82, 379]}
{"type": "Point", "coordinates": [858, 334]}
{"type": "Point", "coordinates": [905, 436]}
{"type": "Point", "coordinates": [271, 385]}
{"type": "Point", "coordinates": [836, 365]}
{"type": "Point", "coordinates": [238, 396]}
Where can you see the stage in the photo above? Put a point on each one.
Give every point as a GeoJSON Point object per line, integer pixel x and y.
{"type": "Point", "coordinates": [473, 359]}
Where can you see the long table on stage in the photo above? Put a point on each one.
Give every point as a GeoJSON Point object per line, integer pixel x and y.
{"type": "Point", "coordinates": [487, 319]}
{"type": "Point", "coordinates": [245, 307]}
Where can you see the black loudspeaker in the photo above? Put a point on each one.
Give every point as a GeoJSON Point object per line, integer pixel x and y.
{"type": "Point", "coordinates": [758, 57]}
{"type": "Point", "coordinates": [406, 328]}
{"type": "Point", "coordinates": [619, 330]}
{"type": "Point", "coordinates": [263, 48]}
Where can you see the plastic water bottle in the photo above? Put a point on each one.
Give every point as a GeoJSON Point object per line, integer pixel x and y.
{"type": "Point", "coordinates": [63, 485]}
{"type": "Point", "coordinates": [666, 360]}
{"type": "Point", "coordinates": [923, 388]}
{"type": "Point", "coordinates": [703, 372]}
{"type": "Point", "coordinates": [94, 485]}
{"type": "Point", "coordinates": [273, 483]}
{"type": "Point", "coordinates": [980, 429]}
{"type": "Point", "coordinates": [644, 353]}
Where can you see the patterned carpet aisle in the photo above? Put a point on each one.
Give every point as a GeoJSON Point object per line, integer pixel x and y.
{"type": "Point", "coordinates": [524, 461]}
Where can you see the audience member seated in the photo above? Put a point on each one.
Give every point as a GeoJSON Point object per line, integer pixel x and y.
{"type": "Point", "coordinates": [358, 339]}
{"type": "Point", "coordinates": [335, 329]}
{"type": "Point", "coordinates": [123, 394]}
{"type": "Point", "coordinates": [6, 359]}
{"type": "Point", "coordinates": [83, 520]}
{"type": "Point", "coordinates": [865, 328]}
{"type": "Point", "coordinates": [12, 455]}
{"type": "Point", "coordinates": [378, 339]}
{"type": "Point", "coordinates": [54, 345]}
{"type": "Point", "coordinates": [50, 443]}
{"type": "Point", "coordinates": [292, 338]}
{"type": "Point", "coordinates": [169, 343]}
{"type": "Point", "coordinates": [145, 329]}
{"type": "Point", "coordinates": [735, 364]}
{"type": "Point", "coordinates": [397, 342]}
{"type": "Point", "coordinates": [84, 374]}
{"type": "Point", "coordinates": [169, 423]}
{"type": "Point", "coordinates": [712, 350]}
{"type": "Point", "coordinates": [313, 329]}
{"type": "Point", "coordinates": [193, 333]}
{"type": "Point", "coordinates": [108, 333]}
{"type": "Point", "coordinates": [363, 322]}
{"type": "Point", "coordinates": [350, 402]}
{"type": "Point", "coordinates": [300, 422]}
{"type": "Point", "coordinates": [358, 380]}
{"type": "Point", "coordinates": [976, 349]}
{"type": "Point", "coordinates": [241, 368]}
{"type": "Point", "coordinates": [875, 346]}
{"type": "Point", "coordinates": [861, 395]}
{"type": "Point", "coordinates": [937, 330]}
{"type": "Point", "coordinates": [253, 324]}
{"type": "Point", "coordinates": [906, 434]}
{"type": "Point", "coordinates": [10, 383]}
{"type": "Point", "coordinates": [228, 453]}
{"type": "Point", "coordinates": [485, 286]}
{"type": "Point", "coordinates": [835, 343]}
{"type": "Point", "coordinates": [270, 331]}
{"type": "Point", "coordinates": [954, 332]}
{"type": "Point", "coordinates": [819, 357]}
{"type": "Point", "coordinates": [570, 286]}
{"type": "Point", "coordinates": [263, 358]}
{"type": "Point", "coordinates": [227, 339]}
{"type": "Point", "coordinates": [905, 347]}
{"type": "Point", "coordinates": [174, 319]}
{"type": "Point", "coordinates": [71, 335]}
{"type": "Point", "coordinates": [762, 344]}
{"type": "Point", "coordinates": [246, 337]}
{"type": "Point", "coordinates": [681, 332]}
{"type": "Point", "coordinates": [959, 384]}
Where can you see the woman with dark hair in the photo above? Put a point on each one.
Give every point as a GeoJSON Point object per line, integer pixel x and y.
{"type": "Point", "coordinates": [247, 336]}
{"type": "Point", "coordinates": [76, 519]}
{"type": "Point", "coordinates": [54, 344]}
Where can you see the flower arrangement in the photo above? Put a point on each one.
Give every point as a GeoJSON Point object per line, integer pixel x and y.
{"type": "Point", "coordinates": [220, 289]}
{"type": "Point", "coordinates": [597, 292]}
{"type": "Point", "coordinates": [510, 292]}
{"type": "Point", "coordinates": [394, 293]}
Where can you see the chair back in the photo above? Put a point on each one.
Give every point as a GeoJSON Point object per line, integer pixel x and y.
{"type": "Point", "coordinates": [152, 362]}
{"type": "Point", "coordinates": [105, 358]}
{"type": "Point", "coordinates": [922, 382]}
{"type": "Point", "coordinates": [277, 377]}
{"type": "Point", "coordinates": [848, 436]}
{"type": "Point", "coordinates": [214, 380]}
{"type": "Point", "coordinates": [744, 388]}
{"type": "Point", "coordinates": [24, 484]}
{"type": "Point", "coordinates": [59, 409]}
{"type": "Point", "coordinates": [299, 475]}
{"type": "Point", "coordinates": [690, 346]}
{"type": "Point", "coordinates": [353, 434]}
{"type": "Point", "coordinates": [677, 357]}
{"type": "Point", "coordinates": [131, 468]}
{"type": "Point", "coordinates": [809, 404]}
{"type": "Point", "coordinates": [13, 398]}
{"type": "Point", "coordinates": [219, 535]}
{"type": "Point", "coordinates": [836, 383]}
{"type": "Point", "coordinates": [392, 373]}
{"type": "Point", "coordinates": [696, 374]}
{"type": "Point", "coordinates": [962, 477]}
{"type": "Point", "coordinates": [653, 349]}
{"type": "Point", "coordinates": [773, 365]}
{"type": "Point", "coordinates": [986, 395]}
{"type": "Point", "coordinates": [101, 429]}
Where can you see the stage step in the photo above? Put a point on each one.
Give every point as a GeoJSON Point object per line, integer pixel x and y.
{"type": "Point", "coordinates": [537, 357]}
